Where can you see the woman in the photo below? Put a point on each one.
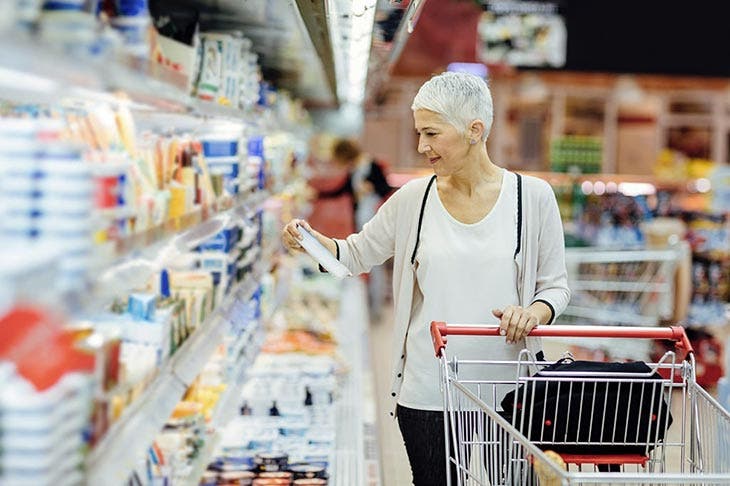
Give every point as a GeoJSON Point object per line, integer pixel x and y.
{"type": "Point", "coordinates": [472, 243]}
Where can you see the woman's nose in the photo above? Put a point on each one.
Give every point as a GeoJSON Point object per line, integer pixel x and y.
{"type": "Point", "coordinates": [423, 148]}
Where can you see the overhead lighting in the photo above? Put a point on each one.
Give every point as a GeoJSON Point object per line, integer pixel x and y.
{"type": "Point", "coordinates": [351, 29]}
{"type": "Point", "coordinates": [532, 88]}
{"type": "Point", "coordinates": [627, 91]}
{"type": "Point", "coordinates": [636, 189]}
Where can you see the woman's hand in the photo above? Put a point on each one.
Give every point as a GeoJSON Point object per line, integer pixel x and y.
{"type": "Point", "coordinates": [290, 235]}
{"type": "Point", "coordinates": [515, 322]}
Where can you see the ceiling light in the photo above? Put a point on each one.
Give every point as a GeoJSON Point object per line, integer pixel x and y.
{"type": "Point", "coordinates": [351, 28]}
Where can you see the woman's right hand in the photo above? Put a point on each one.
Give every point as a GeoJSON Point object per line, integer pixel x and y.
{"type": "Point", "coordinates": [290, 235]}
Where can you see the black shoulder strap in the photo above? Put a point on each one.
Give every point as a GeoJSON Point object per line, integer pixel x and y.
{"type": "Point", "coordinates": [519, 214]}
{"type": "Point", "coordinates": [420, 218]}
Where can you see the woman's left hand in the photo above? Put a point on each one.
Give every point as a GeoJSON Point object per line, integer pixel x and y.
{"type": "Point", "coordinates": [515, 322]}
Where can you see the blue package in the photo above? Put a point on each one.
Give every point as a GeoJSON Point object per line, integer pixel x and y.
{"type": "Point", "coordinates": [223, 241]}
{"type": "Point", "coordinates": [132, 8]}
{"type": "Point", "coordinates": [142, 306]}
{"type": "Point", "coordinates": [220, 148]}
{"type": "Point", "coordinates": [218, 242]}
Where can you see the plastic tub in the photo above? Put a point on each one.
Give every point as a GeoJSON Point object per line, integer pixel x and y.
{"type": "Point", "coordinates": [220, 147]}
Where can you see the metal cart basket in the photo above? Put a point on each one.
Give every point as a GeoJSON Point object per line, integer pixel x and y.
{"type": "Point", "coordinates": [486, 446]}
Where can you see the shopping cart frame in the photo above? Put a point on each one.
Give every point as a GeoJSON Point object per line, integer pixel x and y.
{"type": "Point", "coordinates": [701, 468]}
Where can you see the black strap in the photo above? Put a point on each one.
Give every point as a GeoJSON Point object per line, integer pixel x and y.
{"type": "Point", "coordinates": [420, 218]}
{"type": "Point", "coordinates": [519, 214]}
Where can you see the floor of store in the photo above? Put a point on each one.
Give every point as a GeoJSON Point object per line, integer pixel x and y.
{"type": "Point", "coordinates": [394, 462]}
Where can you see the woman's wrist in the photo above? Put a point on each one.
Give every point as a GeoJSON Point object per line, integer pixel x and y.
{"type": "Point", "coordinates": [543, 312]}
{"type": "Point", "coordinates": [328, 243]}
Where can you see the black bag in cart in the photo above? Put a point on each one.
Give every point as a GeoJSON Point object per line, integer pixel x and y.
{"type": "Point", "coordinates": [591, 414]}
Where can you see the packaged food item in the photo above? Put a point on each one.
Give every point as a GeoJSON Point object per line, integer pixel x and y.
{"type": "Point", "coordinates": [239, 478]}
{"type": "Point", "coordinates": [271, 461]}
{"type": "Point", "coordinates": [211, 67]}
{"type": "Point", "coordinates": [307, 471]}
{"type": "Point", "coordinates": [276, 475]}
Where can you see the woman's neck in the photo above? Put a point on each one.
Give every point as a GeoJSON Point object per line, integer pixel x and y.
{"type": "Point", "coordinates": [474, 174]}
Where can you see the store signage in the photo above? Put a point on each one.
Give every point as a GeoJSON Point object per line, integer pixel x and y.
{"type": "Point", "coordinates": [522, 33]}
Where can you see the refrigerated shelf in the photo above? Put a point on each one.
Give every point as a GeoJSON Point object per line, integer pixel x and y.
{"type": "Point", "coordinates": [114, 458]}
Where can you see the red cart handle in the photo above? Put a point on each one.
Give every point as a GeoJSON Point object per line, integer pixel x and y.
{"type": "Point", "coordinates": [439, 331]}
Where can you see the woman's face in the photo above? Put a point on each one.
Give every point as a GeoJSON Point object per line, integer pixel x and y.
{"type": "Point", "coordinates": [444, 147]}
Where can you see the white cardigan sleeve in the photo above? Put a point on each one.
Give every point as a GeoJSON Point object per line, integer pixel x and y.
{"type": "Point", "coordinates": [375, 243]}
{"type": "Point", "coordinates": [551, 286]}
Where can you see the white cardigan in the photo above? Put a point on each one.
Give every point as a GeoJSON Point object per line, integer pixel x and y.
{"type": "Point", "coordinates": [392, 233]}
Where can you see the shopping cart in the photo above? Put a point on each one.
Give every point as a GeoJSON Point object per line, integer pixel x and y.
{"type": "Point", "coordinates": [485, 446]}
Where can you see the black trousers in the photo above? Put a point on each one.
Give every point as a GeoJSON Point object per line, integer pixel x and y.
{"type": "Point", "coordinates": [423, 436]}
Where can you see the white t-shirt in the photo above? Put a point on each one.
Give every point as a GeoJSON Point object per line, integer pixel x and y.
{"type": "Point", "coordinates": [463, 271]}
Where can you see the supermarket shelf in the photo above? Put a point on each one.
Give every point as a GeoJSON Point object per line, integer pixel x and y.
{"type": "Point", "coordinates": [201, 462]}
{"type": "Point", "coordinates": [610, 286]}
{"type": "Point", "coordinates": [133, 259]}
{"type": "Point", "coordinates": [177, 228]}
{"type": "Point", "coordinates": [224, 411]}
{"type": "Point", "coordinates": [558, 178]}
{"type": "Point", "coordinates": [113, 459]}
{"type": "Point", "coordinates": [596, 255]}
{"type": "Point", "coordinates": [399, 178]}
{"type": "Point", "coordinates": [229, 400]}
{"type": "Point", "coordinates": [354, 462]}
{"type": "Point", "coordinates": [626, 318]}
{"type": "Point", "coordinates": [37, 72]}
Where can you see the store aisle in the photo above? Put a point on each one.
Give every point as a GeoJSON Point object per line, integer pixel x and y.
{"type": "Point", "coordinates": [394, 462]}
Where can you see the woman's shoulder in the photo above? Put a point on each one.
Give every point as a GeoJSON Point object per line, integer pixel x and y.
{"type": "Point", "coordinates": [536, 186]}
{"type": "Point", "coordinates": [414, 188]}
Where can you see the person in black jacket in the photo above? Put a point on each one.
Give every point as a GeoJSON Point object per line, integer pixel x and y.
{"type": "Point", "coordinates": [366, 182]}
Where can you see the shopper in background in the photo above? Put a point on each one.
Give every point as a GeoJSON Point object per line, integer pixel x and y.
{"type": "Point", "coordinates": [473, 243]}
{"type": "Point", "coordinates": [365, 182]}
{"type": "Point", "coordinates": [368, 187]}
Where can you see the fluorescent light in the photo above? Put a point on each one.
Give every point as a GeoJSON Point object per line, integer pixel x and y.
{"type": "Point", "coordinates": [351, 28]}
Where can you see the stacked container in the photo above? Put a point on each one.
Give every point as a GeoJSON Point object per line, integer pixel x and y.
{"type": "Point", "coordinates": [46, 194]}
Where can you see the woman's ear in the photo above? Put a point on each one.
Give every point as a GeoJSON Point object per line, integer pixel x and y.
{"type": "Point", "coordinates": [476, 130]}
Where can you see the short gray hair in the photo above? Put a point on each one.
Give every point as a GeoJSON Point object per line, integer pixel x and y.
{"type": "Point", "coordinates": [460, 98]}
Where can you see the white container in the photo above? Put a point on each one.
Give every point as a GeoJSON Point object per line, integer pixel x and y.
{"type": "Point", "coordinates": [66, 168]}
{"type": "Point", "coordinates": [18, 127]}
{"type": "Point", "coordinates": [16, 185]}
{"type": "Point", "coordinates": [71, 187]}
